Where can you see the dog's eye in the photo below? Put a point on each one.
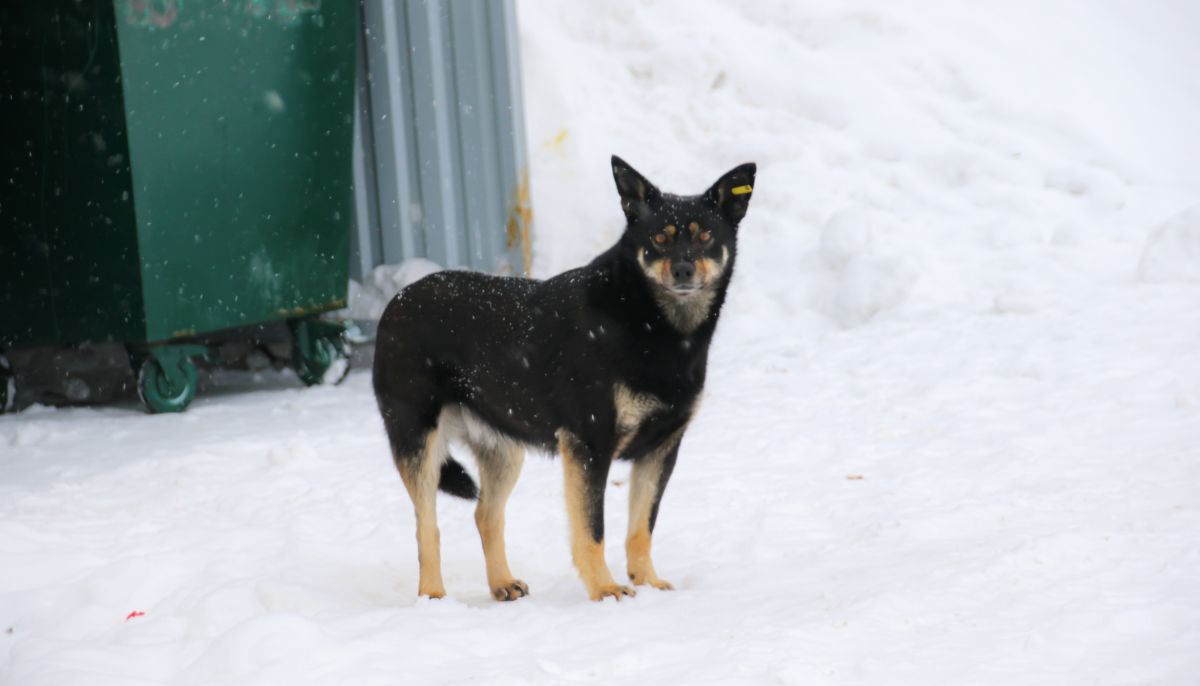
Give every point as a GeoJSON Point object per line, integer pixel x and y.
{"type": "Point", "coordinates": [705, 237]}
{"type": "Point", "coordinates": [661, 239]}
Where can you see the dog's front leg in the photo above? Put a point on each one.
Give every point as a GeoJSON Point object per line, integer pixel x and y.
{"type": "Point", "coordinates": [585, 475]}
{"type": "Point", "coordinates": [647, 483]}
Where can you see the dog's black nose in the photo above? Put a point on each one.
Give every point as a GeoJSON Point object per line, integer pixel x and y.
{"type": "Point", "coordinates": [683, 271]}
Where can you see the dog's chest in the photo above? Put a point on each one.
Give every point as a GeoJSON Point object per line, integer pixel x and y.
{"type": "Point", "coordinates": [632, 409]}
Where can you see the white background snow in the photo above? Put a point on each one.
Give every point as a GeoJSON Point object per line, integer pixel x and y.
{"type": "Point", "coordinates": [951, 434]}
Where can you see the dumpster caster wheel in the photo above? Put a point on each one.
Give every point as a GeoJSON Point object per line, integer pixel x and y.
{"type": "Point", "coordinates": [320, 351]}
{"type": "Point", "coordinates": [167, 379]}
{"type": "Point", "coordinates": [8, 386]}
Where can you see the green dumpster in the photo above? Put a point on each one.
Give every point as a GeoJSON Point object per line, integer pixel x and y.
{"type": "Point", "coordinates": [175, 170]}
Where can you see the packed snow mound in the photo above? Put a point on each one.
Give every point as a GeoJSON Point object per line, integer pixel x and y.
{"type": "Point", "coordinates": [1172, 251]}
{"type": "Point", "coordinates": [368, 300]}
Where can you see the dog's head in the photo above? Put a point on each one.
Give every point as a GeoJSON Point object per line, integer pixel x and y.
{"type": "Point", "coordinates": [683, 244]}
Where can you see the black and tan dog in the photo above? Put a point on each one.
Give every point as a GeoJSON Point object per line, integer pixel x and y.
{"type": "Point", "coordinates": [601, 362]}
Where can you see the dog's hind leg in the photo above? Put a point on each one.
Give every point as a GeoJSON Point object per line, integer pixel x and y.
{"type": "Point", "coordinates": [647, 483]}
{"type": "Point", "coordinates": [499, 466]}
{"type": "Point", "coordinates": [420, 473]}
{"type": "Point", "coordinates": [585, 475]}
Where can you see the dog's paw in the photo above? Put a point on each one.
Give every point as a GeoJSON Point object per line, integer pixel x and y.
{"type": "Point", "coordinates": [511, 591]}
{"type": "Point", "coordinates": [660, 584]}
{"type": "Point", "coordinates": [612, 590]}
{"type": "Point", "coordinates": [434, 593]}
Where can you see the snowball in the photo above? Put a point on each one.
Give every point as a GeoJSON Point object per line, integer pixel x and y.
{"type": "Point", "coordinates": [846, 234]}
{"type": "Point", "coordinates": [1172, 251]}
{"type": "Point", "coordinates": [1013, 302]}
{"type": "Point", "coordinates": [389, 279]}
{"type": "Point", "coordinates": [291, 451]}
{"type": "Point", "coordinates": [368, 300]}
{"type": "Point", "coordinates": [869, 285]}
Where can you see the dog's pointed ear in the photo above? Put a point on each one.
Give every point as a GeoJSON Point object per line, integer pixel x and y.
{"type": "Point", "coordinates": [637, 194]}
{"type": "Point", "coordinates": [731, 193]}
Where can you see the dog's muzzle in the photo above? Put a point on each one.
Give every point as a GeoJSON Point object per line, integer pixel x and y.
{"type": "Point", "coordinates": [683, 277]}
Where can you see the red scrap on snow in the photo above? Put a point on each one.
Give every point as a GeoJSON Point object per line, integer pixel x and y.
{"type": "Point", "coordinates": [135, 613]}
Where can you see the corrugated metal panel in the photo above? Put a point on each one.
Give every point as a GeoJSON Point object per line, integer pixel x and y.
{"type": "Point", "coordinates": [440, 170]}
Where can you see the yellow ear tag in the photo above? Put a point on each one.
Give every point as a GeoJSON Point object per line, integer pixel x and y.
{"type": "Point", "coordinates": [741, 190]}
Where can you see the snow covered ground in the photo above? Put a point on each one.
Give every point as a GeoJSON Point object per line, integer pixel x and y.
{"type": "Point", "coordinates": [952, 431]}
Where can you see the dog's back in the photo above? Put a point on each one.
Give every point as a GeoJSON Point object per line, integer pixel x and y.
{"type": "Point", "coordinates": [447, 339]}
{"type": "Point", "coordinates": [496, 346]}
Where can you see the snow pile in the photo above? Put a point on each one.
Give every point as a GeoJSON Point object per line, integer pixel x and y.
{"type": "Point", "coordinates": [1015, 147]}
{"type": "Point", "coordinates": [1172, 251]}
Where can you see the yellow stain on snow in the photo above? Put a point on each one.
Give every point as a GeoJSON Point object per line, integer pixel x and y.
{"type": "Point", "coordinates": [556, 142]}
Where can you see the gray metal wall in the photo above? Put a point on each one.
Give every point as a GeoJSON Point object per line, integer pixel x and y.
{"type": "Point", "coordinates": [440, 158]}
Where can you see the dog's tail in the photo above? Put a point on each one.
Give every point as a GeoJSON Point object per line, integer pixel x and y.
{"type": "Point", "coordinates": [456, 481]}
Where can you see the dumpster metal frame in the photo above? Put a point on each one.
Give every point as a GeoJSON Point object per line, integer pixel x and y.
{"type": "Point", "coordinates": [441, 166]}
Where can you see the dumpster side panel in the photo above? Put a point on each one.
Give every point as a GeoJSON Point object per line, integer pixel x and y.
{"type": "Point", "coordinates": [68, 250]}
{"type": "Point", "coordinates": [240, 128]}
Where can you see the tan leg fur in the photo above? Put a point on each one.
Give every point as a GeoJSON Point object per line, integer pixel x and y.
{"type": "Point", "coordinates": [420, 476]}
{"type": "Point", "coordinates": [499, 467]}
{"type": "Point", "coordinates": [586, 553]}
{"type": "Point", "coordinates": [642, 489]}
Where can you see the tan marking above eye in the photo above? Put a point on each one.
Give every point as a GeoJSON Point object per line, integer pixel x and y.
{"type": "Point", "coordinates": [660, 239]}
{"type": "Point", "coordinates": [694, 227]}
{"type": "Point", "coordinates": [670, 229]}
